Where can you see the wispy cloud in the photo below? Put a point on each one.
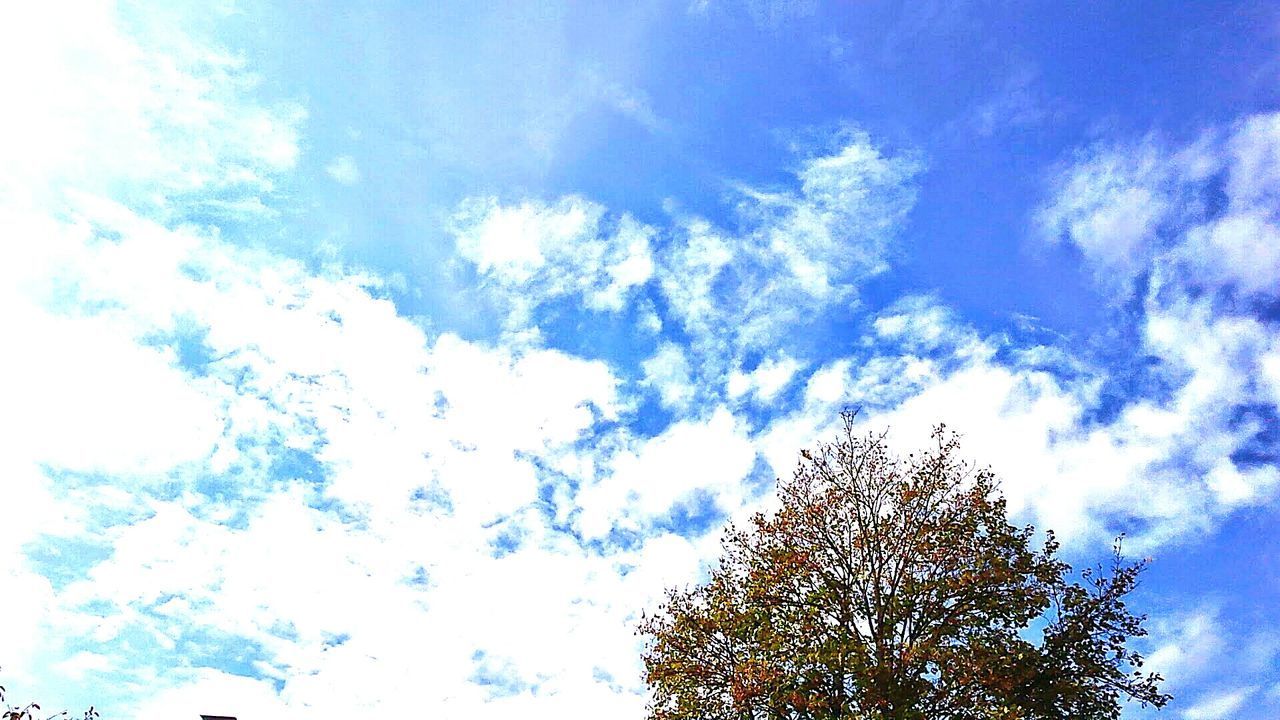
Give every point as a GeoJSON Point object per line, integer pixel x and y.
{"type": "Point", "coordinates": [668, 373]}
{"type": "Point", "coordinates": [344, 170]}
{"type": "Point", "coordinates": [629, 102]}
{"type": "Point", "coordinates": [531, 254]}
{"type": "Point", "coordinates": [132, 106]}
{"type": "Point", "coordinates": [1196, 214]}
{"type": "Point", "coordinates": [253, 483]}
{"type": "Point", "coordinates": [803, 252]}
{"type": "Point", "coordinates": [1017, 104]}
{"type": "Point", "coordinates": [1158, 467]}
{"type": "Point", "coordinates": [1222, 704]}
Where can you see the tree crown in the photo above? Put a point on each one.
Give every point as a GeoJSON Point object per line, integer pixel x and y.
{"type": "Point", "coordinates": [888, 587]}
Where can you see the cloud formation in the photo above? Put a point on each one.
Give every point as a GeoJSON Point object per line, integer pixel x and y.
{"type": "Point", "coordinates": [257, 483]}
{"type": "Point", "coordinates": [127, 104]}
{"type": "Point", "coordinates": [800, 253]}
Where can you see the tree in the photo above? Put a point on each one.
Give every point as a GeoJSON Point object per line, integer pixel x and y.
{"type": "Point", "coordinates": [890, 588]}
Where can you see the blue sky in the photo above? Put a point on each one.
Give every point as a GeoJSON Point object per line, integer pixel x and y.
{"type": "Point", "coordinates": [395, 358]}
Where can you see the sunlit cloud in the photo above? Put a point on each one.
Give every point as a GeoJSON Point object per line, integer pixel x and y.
{"type": "Point", "coordinates": [261, 475]}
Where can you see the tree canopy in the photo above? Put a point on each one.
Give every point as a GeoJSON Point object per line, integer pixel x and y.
{"type": "Point", "coordinates": [895, 588]}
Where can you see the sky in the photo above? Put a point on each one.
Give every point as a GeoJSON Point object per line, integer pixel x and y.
{"type": "Point", "coordinates": [392, 358]}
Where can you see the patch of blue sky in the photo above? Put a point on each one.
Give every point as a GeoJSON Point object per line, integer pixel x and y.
{"type": "Point", "coordinates": [1261, 423]}
{"type": "Point", "coordinates": [555, 498]}
{"type": "Point", "coordinates": [759, 412]}
{"type": "Point", "coordinates": [163, 645]}
{"type": "Point", "coordinates": [239, 215]}
{"type": "Point", "coordinates": [335, 639]}
{"type": "Point", "coordinates": [616, 337]}
{"type": "Point", "coordinates": [419, 578]}
{"type": "Point", "coordinates": [247, 485]}
{"type": "Point", "coordinates": [350, 515]}
{"type": "Point", "coordinates": [651, 417]}
{"type": "Point", "coordinates": [1263, 308]}
{"type": "Point", "coordinates": [499, 677]}
{"type": "Point", "coordinates": [509, 537]}
{"type": "Point", "coordinates": [618, 539]}
{"type": "Point", "coordinates": [187, 340]}
{"type": "Point", "coordinates": [290, 464]}
{"type": "Point", "coordinates": [599, 674]}
{"type": "Point", "coordinates": [431, 498]}
{"type": "Point", "coordinates": [725, 86]}
{"type": "Point", "coordinates": [64, 560]}
{"type": "Point", "coordinates": [231, 653]}
{"type": "Point", "coordinates": [73, 483]}
{"type": "Point", "coordinates": [1130, 379]}
{"type": "Point", "coordinates": [761, 479]}
{"type": "Point", "coordinates": [264, 464]}
{"type": "Point", "coordinates": [67, 296]}
{"type": "Point", "coordinates": [226, 499]}
{"type": "Point", "coordinates": [693, 516]}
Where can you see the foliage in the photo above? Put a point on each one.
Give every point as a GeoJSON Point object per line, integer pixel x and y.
{"type": "Point", "coordinates": [889, 588]}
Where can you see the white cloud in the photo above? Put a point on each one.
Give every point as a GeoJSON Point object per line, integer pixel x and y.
{"type": "Point", "coordinates": [344, 170]}
{"type": "Point", "coordinates": [1254, 150]}
{"type": "Point", "coordinates": [1188, 646]}
{"type": "Point", "coordinates": [82, 662]}
{"type": "Point", "coordinates": [146, 113]}
{"type": "Point", "coordinates": [690, 270]}
{"type": "Point", "coordinates": [211, 692]}
{"type": "Point", "coordinates": [509, 242]}
{"type": "Point", "coordinates": [800, 253]}
{"type": "Point", "coordinates": [279, 465]}
{"type": "Point", "coordinates": [1219, 705]}
{"type": "Point", "coordinates": [1240, 249]}
{"type": "Point", "coordinates": [27, 617]}
{"type": "Point", "coordinates": [1151, 206]}
{"type": "Point", "coordinates": [1166, 462]}
{"type": "Point", "coordinates": [1169, 460]}
{"type": "Point", "coordinates": [766, 380]}
{"type": "Point", "coordinates": [826, 386]}
{"type": "Point", "coordinates": [431, 445]}
{"type": "Point", "coordinates": [105, 101]}
{"type": "Point", "coordinates": [130, 411]}
{"type": "Point", "coordinates": [534, 253]}
{"type": "Point", "coordinates": [320, 362]}
{"type": "Point", "coordinates": [629, 102]}
{"type": "Point", "coordinates": [797, 255]}
{"type": "Point", "coordinates": [173, 372]}
{"type": "Point", "coordinates": [1208, 647]}
{"type": "Point", "coordinates": [713, 456]}
{"type": "Point", "coordinates": [668, 373]}
{"type": "Point", "coordinates": [1017, 104]}
{"type": "Point", "coordinates": [1110, 206]}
